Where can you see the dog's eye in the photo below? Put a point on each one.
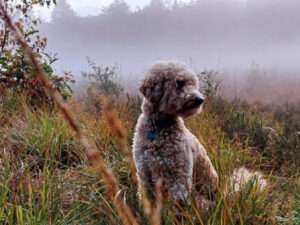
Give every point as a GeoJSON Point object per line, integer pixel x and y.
{"type": "Point", "coordinates": [180, 84]}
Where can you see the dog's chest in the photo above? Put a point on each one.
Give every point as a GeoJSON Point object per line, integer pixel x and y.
{"type": "Point", "coordinates": [163, 147]}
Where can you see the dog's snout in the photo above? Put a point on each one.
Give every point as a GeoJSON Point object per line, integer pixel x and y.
{"type": "Point", "coordinates": [198, 100]}
{"type": "Point", "coordinates": [194, 102]}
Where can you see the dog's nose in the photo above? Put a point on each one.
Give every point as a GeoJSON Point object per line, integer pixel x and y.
{"type": "Point", "coordinates": [198, 100]}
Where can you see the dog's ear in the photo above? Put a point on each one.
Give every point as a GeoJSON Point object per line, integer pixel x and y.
{"type": "Point", "coordinates": [143, 89]}
{"type": "Point", "coordinates": [151, 90]}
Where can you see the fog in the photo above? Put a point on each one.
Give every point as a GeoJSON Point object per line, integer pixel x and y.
{"type": "Point", "coordinates": [206, 34]}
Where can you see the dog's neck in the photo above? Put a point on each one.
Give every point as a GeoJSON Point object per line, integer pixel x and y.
{"type": "Point", "coordinates": [158, 119]}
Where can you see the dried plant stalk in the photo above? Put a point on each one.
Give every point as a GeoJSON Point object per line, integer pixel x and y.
{"type": "Point", "coordinates": [144, 199]}
{"type": "Point", "coordinates": [153, 211]}
{"type": "Point", "coordinates": [93, 155]}
{"type": "Point", "coordinates": [121, 136]}
{"type": "Point", "coordinates": [156, 208]}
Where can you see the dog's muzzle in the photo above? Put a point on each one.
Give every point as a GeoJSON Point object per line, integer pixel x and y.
{"type": "Point", "coordinates": [198, 101]}
{"type": "Point", "coordinates": [194, 102]}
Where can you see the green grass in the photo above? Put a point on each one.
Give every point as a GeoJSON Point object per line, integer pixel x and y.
{"type": "Point", "coordinates": [45, 179]}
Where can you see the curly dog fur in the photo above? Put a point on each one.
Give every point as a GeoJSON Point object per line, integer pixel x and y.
{"type": "Point", "coordinates": [163, 147]}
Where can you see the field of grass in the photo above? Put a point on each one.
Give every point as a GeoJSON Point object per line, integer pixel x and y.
{"type": "Point", "coordinates": [45, 177]}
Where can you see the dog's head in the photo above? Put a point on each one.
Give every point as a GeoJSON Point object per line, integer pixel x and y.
{"type": "Point", "coordinates": [172, 89]}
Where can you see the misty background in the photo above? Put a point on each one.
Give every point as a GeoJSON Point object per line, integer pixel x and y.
{"type": "Point", "coordinates": [232, 37]}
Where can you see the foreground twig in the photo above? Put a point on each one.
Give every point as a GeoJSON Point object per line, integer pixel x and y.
{"type": "Point", "coordinates": [156, 208]}
{"type": "Point", "coordinates": [120, 133]}
{"type": "Point", "coordinates": [153, 211]}
{"type": "Point", "coordinates": [93, 155]}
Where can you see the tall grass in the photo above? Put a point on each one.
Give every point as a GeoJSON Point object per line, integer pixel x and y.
{"type": "Point", "coordinates": [39, 186]}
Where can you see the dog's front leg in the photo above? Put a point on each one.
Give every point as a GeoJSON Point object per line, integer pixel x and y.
{"type": "Point", "coordinates": [205, 177]}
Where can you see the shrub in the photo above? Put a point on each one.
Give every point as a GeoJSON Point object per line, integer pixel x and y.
{"type": "Point", "coordinates": [210, 83]}
{"type": "Point", "coordinates": [45, 140]}
{"type": "Point", "coordinates": [247, 128]}
{"type": "Point", "coordinates": [286, 143]}
{"type": "Point", "coordinates": [15, 71]}
{"type": "Point", "coordinates": [103, 81]}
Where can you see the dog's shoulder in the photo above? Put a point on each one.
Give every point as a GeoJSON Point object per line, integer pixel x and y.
{"type": "Point", "coordinates": [194, 143]}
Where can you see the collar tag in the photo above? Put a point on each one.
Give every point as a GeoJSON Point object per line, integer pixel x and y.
{"type": "Point", "coordinates": [151, 135]}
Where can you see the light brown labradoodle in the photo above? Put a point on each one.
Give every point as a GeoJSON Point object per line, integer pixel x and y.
{"type": "Point", "coordinates": [164, 149]}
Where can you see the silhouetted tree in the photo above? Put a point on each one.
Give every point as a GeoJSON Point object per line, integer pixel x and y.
{"type": "Point", "coordinates": [118, 7]}
{"type": "Point", "coordinates": [63, 11]}
{"type": "Point", "coordinates": [155, 6]}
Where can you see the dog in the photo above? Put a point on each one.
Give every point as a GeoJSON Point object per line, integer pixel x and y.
{"type": "Point", "coordinates": [163, 148]}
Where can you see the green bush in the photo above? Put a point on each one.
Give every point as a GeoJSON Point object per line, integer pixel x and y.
{"type": "Point", "coordinates": [47, 141]}
{"type": "Point", "coordinates": [15, 71]}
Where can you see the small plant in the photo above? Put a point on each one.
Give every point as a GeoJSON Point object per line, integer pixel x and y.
{"type": "Point", "coordinates": [210, 83]}
{"type": "Point", "coordinates": [102, 82]}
